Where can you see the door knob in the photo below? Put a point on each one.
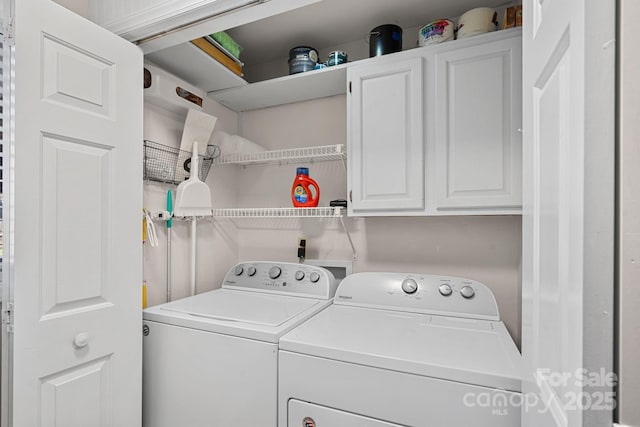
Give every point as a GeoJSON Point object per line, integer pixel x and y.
{"type": "Point", "coordinates": [81, 340]}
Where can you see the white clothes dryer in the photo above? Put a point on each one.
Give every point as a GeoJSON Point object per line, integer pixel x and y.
{"type": "Point", "coordinates": [402, 350]}
{"type": "Point", "coordinates": [212, 359]}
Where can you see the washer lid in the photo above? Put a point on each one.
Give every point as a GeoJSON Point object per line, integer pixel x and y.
{"type": "Point", "coordinates": [247, 307]}
{"type": "Point", "coordinates": [245, 314]}
{"type": "Point", "coordinates": [471, 351]}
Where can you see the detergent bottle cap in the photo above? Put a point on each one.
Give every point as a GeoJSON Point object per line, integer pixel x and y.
{"type": "Point", "coordinates": [302, 171]}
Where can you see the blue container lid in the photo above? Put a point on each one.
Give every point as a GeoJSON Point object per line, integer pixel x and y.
{"type": "Point", "coordinates": [302, 171]}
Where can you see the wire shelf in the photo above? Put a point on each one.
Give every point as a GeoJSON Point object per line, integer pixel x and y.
{"type": "Point", "coordinates": [321, 153]}
{"type": "Point", "coordinates": [172, 165]}
{"type": "Point", "coordinates": [323, 212]}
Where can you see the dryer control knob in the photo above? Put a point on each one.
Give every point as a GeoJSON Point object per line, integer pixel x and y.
{"type": "Point", "coordinates": [299, 275]}
{"type": "Point", "coordinates": [251, 271]}
{"type": "Point", "coordinates": [467, 292]}
{"type": "Point", "coordinates": [445, 290]}
{"type": "Point", "coordinates": [409, 286]}
{"type": "Point", "coordinates": [275, 272]}
{"type": "Point", "coordinates": [239, 270]}
{"type": "Point", "coordinates": [314, 277]}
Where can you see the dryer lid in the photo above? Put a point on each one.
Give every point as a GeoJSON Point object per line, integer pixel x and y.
{"type": "Point", "coordinates": [471, 351]}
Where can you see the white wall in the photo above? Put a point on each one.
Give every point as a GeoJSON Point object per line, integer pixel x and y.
{"type": "Point", "coordinates": [216, 243]}
{"type": "Point", "coordinates": [355, 49]}
{"type": "Point", "coordinates": [628, 351]}
{"type": "Point", "coordinates": [486, 248]}
{"type": "Point", "coordinates": [81, 7]}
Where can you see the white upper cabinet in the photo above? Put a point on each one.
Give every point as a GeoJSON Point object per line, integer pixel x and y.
{"type": "Point", "coordinates": [386, 155]}
{"type": "Point", "coordinates": [478, 149]}
{"type": "Point", "coordinates": [436, 130]}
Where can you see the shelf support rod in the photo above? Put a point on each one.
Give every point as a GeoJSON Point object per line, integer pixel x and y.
{"type": "Point", "coordinates": [346, 230]}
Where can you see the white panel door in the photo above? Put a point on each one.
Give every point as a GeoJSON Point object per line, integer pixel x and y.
{"type": "Point", "coordinates": [567, 263]}
{"type": "Point", "coordinates": [479, 114]}
{"type": "Point", "coordinates": [76, 196]}
{"type": "Point", "coordinates": [385, 133]}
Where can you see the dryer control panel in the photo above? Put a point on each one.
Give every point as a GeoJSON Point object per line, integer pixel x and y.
{"type": "Point", "coordinates": [282, 278]}
{"type": "Point", "coordinates": [419, 293]}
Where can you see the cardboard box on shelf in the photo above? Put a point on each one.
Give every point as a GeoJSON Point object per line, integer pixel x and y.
{"type": "Point", "coordinates": [509, 19]}
{"type": "Point", "coordinates": [218, 55]}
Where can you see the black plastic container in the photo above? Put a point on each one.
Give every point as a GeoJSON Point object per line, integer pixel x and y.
{"type": "Point", "coordinates": [301, 59]}
{"type": "Point", "coordinates": [385, 39]}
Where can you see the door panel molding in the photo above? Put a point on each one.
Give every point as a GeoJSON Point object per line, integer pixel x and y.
{"type": "Point", "coordinates": [73, 77]}
{"type": "Point", "coordinates": [75, 248]}
{"type": "Point", "coordinates": [75, 397]}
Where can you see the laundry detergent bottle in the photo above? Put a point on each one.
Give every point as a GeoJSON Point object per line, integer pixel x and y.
{"type": "Point", "coordinates": [301, 194]}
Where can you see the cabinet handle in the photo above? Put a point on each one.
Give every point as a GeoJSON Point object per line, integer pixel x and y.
{"type": "Point", "coordinates": [81, 340]}
{"type": "Point", "coordinates": [351, 196]}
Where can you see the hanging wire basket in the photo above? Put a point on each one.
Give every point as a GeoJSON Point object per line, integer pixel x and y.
{"type": "Point", "coordinates": [172, 165]}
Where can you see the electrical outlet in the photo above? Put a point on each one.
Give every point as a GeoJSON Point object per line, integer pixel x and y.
{"type": "Point", "coordinates": [302, 248]}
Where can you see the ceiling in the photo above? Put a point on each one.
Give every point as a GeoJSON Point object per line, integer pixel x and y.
{"type": "Point", "coordinates": [333, 22]}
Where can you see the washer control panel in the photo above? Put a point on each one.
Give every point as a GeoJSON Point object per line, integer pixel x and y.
{"type": "Point", "coordinates": [409, 286]}
{"type": "Point", "coordinates": [282, 278]}
{"type": "Point", "coordinates": [419, 293]}
{"type": "Point", "coordinates": [445, 290]}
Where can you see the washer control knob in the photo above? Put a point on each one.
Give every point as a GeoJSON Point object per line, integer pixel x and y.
{"type": "Point", "coordinates": [239, 270]}
{"type": "Point", "coordinates": [445, 290]}
{"type": "Point", "coordinates": [275, 272]}
{"type": "Point", "coordinates": [314, 277]}
{"type": "Point", "coordinates": [467, 292]}
{"type": "Point", "coordinates": [299, 275]}
{"type": "Point", "coordinates": [251, 271]}
{"type": "Point", "coordinates": [409, 286]}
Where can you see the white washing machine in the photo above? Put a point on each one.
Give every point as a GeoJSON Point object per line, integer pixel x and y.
{"type": "Point", "coordinates": [402, 350]}
{"type": "Point", "coordinates": [212, 359]}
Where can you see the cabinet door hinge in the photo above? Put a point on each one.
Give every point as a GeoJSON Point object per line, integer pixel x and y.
{"type": "Point", "coordinates": [7, 317]}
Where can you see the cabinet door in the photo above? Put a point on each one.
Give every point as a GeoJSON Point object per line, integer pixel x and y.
{"type": "Point", "coordinates": [386, 155]}
{"type": "Point", "coordinates": [72, 347]}
{"type": "Point", "coordinates": [478, 116]}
